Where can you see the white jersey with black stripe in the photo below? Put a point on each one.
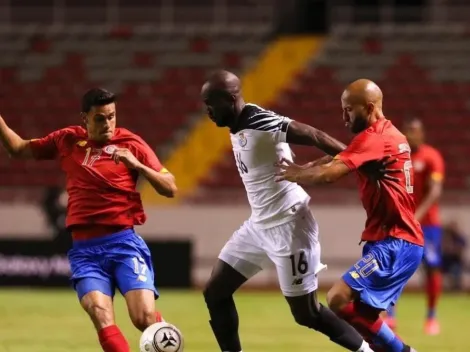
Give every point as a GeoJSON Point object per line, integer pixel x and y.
{"type": "Point", "coordinates": [259, 140]}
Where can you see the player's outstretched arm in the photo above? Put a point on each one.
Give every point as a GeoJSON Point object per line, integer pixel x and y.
{"type": "Point", "coordinates": [326, 173]}
{"type": "Point", "coordinates": [16, 146]}
{"type": "Point", "coordinates": [302, 134]}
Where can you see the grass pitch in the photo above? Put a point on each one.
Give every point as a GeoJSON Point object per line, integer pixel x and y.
{"type": "Point", "coordinates": [52, 321]}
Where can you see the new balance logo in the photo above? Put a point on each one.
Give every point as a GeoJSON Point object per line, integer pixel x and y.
{"type": "Point", "coordinates": [297, 282]}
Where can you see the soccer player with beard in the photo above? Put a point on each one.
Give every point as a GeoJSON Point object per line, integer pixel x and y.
{"type": "Point", "coordinates": [281, 228]}
{"type": "Point", "coordinates": [102, 164]}
{"type": "Point", "coordinates": [393, 238]}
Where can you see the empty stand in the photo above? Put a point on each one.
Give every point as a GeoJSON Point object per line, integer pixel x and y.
{"type": "Point", "coordinates": [45, 70]}
{"type": "Point", "coordinates": [423, 71]}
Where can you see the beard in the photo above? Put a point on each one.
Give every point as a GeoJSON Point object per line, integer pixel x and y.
{"type": "Point", "coordinates": [359, 125]}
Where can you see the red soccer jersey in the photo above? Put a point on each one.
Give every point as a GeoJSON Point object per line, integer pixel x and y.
{"type": "Point", "coordinates": [389, 205]}
{"type": "Point", "coordinates": [101, 193]}
{"type": "Point", "coordinates": [427, 164]}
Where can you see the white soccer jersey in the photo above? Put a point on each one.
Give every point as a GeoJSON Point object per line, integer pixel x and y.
{"type": "Point", "coordinates": [259, 141]}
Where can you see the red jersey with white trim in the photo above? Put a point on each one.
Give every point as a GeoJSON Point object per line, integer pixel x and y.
{"type": "Point", "coordinates": [101, 192]}
{"type": "Point", "coordinates": [389, 204]}
{"type": "Point", "coordinates": [428, 164]}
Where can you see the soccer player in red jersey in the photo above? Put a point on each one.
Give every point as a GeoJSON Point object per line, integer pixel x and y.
{"type": "Point", "coordinates": [102, 164]}
{"type": "Point", "coordinates": [393, 238]}
{"type": "Point", "coordinates": [428, 166]}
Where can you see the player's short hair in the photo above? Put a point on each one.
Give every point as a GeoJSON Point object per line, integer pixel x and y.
{"type": "Point", "coordinates": [97, 97]}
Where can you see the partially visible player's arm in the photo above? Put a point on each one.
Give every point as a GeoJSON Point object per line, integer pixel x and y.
{"type": "Point", "coordinates": [302, 134]}
{"type": "Point", "coordinates": [150, 167]}
{"type": "Point", "coordinates": [16, 146]}
{"type": "Point", "coordinates": [362, 149]}
{"type": "Point", "coordinates": [326, 173]}
{"type": "Point", "coordinates": [162, 181]}
{"type": "Point", "coordinates": [434, 189]}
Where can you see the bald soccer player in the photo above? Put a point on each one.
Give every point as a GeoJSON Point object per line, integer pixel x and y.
{"type": "Point", "coordinates": [393, 238]}
{"type": "Point", "coordinates": [281, 228]}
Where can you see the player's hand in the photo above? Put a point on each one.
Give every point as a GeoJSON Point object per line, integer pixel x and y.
{"type": "Point", "coordinates": [125, 156]}
{"type": "Point", "coordinates": [380, 169]}
{"type": "Point", "coordinates": [289, 171]}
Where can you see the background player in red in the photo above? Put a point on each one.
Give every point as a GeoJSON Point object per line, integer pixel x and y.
{"type": "Point", "coordinates": [428, 166]}
{"type": "Point", "coordinates": [394, 240]}
{"type": "Point", "coordinates": [102, 164]}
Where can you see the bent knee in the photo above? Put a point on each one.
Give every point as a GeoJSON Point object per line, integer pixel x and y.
{"type": "Point", "coordinates": [101, 314]}
{"type": "Point", "coordinates": [336, 300]}
{"type": "Point", "coordinates": [143, 319]}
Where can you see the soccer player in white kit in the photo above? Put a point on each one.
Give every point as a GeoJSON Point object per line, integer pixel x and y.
{"type": "Point", "coordinates": [281, 228]}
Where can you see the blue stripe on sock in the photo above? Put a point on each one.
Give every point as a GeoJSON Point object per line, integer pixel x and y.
{"type": "Point", "coordinates": [388, 339]}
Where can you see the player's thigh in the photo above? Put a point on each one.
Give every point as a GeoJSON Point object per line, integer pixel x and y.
{"type": "Point", "coordinates": [99, 307]}
{"type": "Point", "coordinates": [243, 251]}
{"type": "Point", "coordinates": [296, 252]}
{"type": "Point", "coordinates": [88, 272]}
{"type": "Point", "coordinates": [132, 266]}
{"type": "Point", "coordinates": [432, 246]}
{"type": "Point", "coordinates": [141, 307]}
{"type": "Point", "coordinates": [304, 308]}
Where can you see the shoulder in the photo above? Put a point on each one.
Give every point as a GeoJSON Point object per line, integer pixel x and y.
{"type": "Point", "coordinates": [431, 154]}
{"type": "Point", "coordinates": [123, 134]}
{"type": "Point", "coordinates": [261, 119]}
{"type": "Point", "coordinates": [70, 134]}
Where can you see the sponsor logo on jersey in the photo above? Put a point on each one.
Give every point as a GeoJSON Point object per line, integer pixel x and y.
{"type": "Point", "coordinates": [82, 143]}
{"type": "Point", "coordinates": [354, 274]}
{"type": "Point", "coordinates": [242, 139]}
{"type": "Point", "coordinates": [110, 149]}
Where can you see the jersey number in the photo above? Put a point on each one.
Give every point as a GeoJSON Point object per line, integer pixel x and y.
{"type": "Point", "coordinates": [299, 267]}
{"type": "Point", "coordinates": [240, 164]}
{"type": "Point", "coordinates": [140, 268]}
{"type": "Point", "coordinates": [407, 169]}
{"type": "Point", "coordinates": [91, 156]}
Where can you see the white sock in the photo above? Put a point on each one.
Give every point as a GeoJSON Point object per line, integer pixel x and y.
{"type": "Point", "coordinates": [365, 348]}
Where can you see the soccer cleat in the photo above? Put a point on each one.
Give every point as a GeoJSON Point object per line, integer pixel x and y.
{"type": "Point", "coordinates": [432, 327]}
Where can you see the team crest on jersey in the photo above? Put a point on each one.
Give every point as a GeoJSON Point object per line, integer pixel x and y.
{"type": "Point", "coordinates": [418, 165]}
{"type": "Point", "coordinates": [109, 149]}
{"type": "Point", "coordinates": [82, 143]}
{"type": "Point", "coordinates": [242, 139]}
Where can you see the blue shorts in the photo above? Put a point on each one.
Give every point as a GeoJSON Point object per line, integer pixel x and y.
{"type": "Point", "coordinates": [119, 260]}
{"type": "Point", "coordinates": [432, 246]}
{"type": "Point", "coordinates": [383, 271]}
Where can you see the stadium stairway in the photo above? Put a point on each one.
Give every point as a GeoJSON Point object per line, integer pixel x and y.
{"type": "Point", "coordinates": [158, 75]}
{"type": "Point", "coordinates": [423, 71]}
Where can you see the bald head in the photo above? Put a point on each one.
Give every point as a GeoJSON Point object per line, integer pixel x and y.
{"type": "Point", "coordinates": [362, 104]}
{"type": "Point", "coordinates": [364, 91]}
{"type": "Point", "coordinates": [222, 95]}
{"type": "Point", "coordinates": [223, 81]}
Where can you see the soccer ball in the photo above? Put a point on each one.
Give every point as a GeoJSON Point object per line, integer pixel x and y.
{"type": "Point", "coordinates": [161, 337]}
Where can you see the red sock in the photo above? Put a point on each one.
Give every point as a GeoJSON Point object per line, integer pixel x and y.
{"type": "Point", "coordinates": [158, 317]}
{"type": "Point", "coordinates": [433, 290]}
{"type": "Point", "coordinates": [112, 340]}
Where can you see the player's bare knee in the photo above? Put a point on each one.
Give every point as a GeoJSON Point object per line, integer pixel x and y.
{"type": "Point", "coordinates": [143, 319]}
{"type": "Point", "coordinates": [101, 315]}
{"type": "Point", "coordinates": [336, 300]}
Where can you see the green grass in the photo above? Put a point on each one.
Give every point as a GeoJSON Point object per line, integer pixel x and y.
{"type": "Point", "coordinates": [53, 321]}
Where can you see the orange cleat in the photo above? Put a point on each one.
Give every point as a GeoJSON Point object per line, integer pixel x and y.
{"type": "Point", "coordinates": [432, 327]}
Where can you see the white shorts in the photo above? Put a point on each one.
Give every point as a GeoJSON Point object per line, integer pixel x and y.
{"type": "Point", "coordinates": [293, 247]}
